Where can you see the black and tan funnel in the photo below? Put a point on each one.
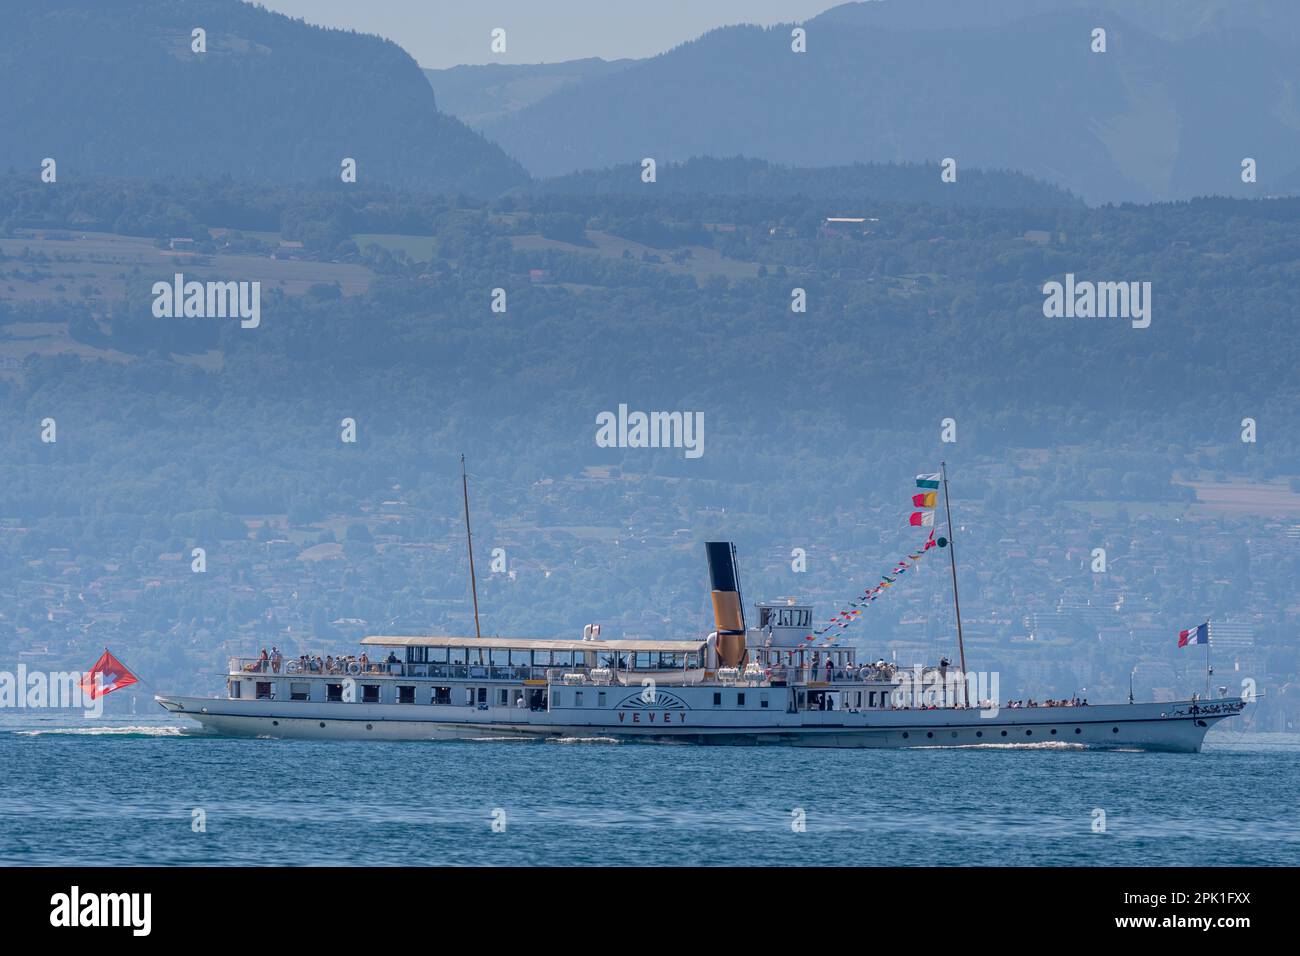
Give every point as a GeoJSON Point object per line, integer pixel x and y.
{"type": "Point", "coordinates": [728, 613]}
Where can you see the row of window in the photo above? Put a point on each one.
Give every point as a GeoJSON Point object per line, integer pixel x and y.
{"type": "Point", "coordinates": [979, 733]}
{"type": "Point", "coordinates": [850, 700]}
{"type": "Point", "coordinates": [785, 616]}
{"type": "Point", "coordinates": [579, 698]}
{"type": "Point", "coordinates": [507, 697]}
{"type": "Point", "coordinates": [370, 693]}
{"type": "Point", "coordinates": [645, 660]}
{"type": "Point", "coordinates": [740, 699]}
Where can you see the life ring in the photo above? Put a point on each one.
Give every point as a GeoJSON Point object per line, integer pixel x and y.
{"type": "Point", "coordinates": [293, 667]}
{"type": "Point", "coordinates": [354, 668]}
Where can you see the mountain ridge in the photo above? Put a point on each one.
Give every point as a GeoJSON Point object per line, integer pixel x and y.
{"type": "Point", "coordinates": [272, 99]}
{"type": "Point", "coordinates": [1143, 121]}
{"type": "Point", "coordinates": [740, 175]}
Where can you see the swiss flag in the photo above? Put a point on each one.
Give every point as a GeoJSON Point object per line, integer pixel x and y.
{"type": "Point", "coordinates": [113, 676]}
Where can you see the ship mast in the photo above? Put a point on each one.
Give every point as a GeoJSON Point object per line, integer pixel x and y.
{"type": "Point", "coordinates": [952, 555]}
{"type": "Point", "coordinates": [469, 543]}
{"type": "Point", "coordinates": [1208, 669]}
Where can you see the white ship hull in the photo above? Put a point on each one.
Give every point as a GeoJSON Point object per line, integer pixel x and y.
{"type": "Point", "coordinates": [1176, 726]}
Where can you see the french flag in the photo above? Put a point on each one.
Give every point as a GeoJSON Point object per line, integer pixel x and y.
{"type": "Point", "coordinates": [1197, 635]}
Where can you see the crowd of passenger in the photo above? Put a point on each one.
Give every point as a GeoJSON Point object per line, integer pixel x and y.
{"type": "Point", "coordinates": [1072, 702]}
{"type": "Point", "coordinates": [989, 705]}
{"type": "Point", "coordinates": [863, 672]}
{"type": "Point", "coordinates": [273, 663]}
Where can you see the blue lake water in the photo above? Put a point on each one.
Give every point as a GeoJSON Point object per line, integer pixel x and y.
{"type": "Point", "coordinates": [123, 791]}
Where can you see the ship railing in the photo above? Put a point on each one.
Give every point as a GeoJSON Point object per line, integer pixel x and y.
{"type": "Point", "coordinates": [351, 667]}
{"type": "Point", "coordinates": [605, 676]}
{"type": "Point", "coordinates": [340, 667]}
{"type": "Point", "coordinates": [467, 671]}
{"type": "Point", "coordinates": [566, 674]}
{"type": "Point", "coordinates": [803, 675]}
{"type": "Point", "coordinates": [253, 665]}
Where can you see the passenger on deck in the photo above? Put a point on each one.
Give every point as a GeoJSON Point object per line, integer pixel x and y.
{"type": "Point", "coordinates": [276, 659]}
{"type": "Point", "coordinates": [262, 661]}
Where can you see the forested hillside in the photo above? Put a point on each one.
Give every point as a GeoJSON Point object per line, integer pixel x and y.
{"type": "Point", "coordinates": [708, 177]}
{"type": "Point", "coordinates": [177, 433]}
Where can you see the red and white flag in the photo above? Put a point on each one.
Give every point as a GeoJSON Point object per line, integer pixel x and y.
{"type": "Point", "coordinates": [113, 675]}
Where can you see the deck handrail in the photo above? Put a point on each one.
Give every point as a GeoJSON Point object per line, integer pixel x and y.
{"type": "Point", "coordinates": [352, 667]}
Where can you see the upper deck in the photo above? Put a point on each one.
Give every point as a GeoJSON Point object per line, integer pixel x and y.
{"type": "Point", "coordinates": [497, 658]}
{"type": "Point", "coordinates": [542, 661]}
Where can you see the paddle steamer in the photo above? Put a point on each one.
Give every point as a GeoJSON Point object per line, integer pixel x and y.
{"type": "Point", "coordinates": [742, 683]}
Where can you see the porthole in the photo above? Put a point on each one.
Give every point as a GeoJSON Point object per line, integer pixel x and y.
{"type": "Point", "coordinates": [1201, 723]}
{"type": "Point", "coordinates": [1078, 730]}
{"type": "Point", "coordinates": [1004, 733]}
{"type": "Point", "coordinates": [954, 735]}
{"type": "Point", "coordinates": [979, 733]}
{"type": "Point", "coordinates": [370, 726]}
{"type": "Point", "coordinates": [905, 735]}
{"type": "Point", "coordinates": [1053, 731]}
{"type": "Point", "coordinates": [1114, 730]}
{"type": "Point", "coordinates": [929, 733]}
{"type": "Point", "coordinates": [322, 723]}
{"type": "Point", "coordinates": [275, 723]}
{"type": "Point", "coordinates": [1029, 733]}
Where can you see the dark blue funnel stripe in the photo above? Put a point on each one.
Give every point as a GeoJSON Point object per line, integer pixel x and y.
{"type": "Point", "coordinates": [722, 565]}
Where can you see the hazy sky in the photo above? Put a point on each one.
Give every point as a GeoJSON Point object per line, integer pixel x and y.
{"type": "Point", "coordinates": [442, 33]}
